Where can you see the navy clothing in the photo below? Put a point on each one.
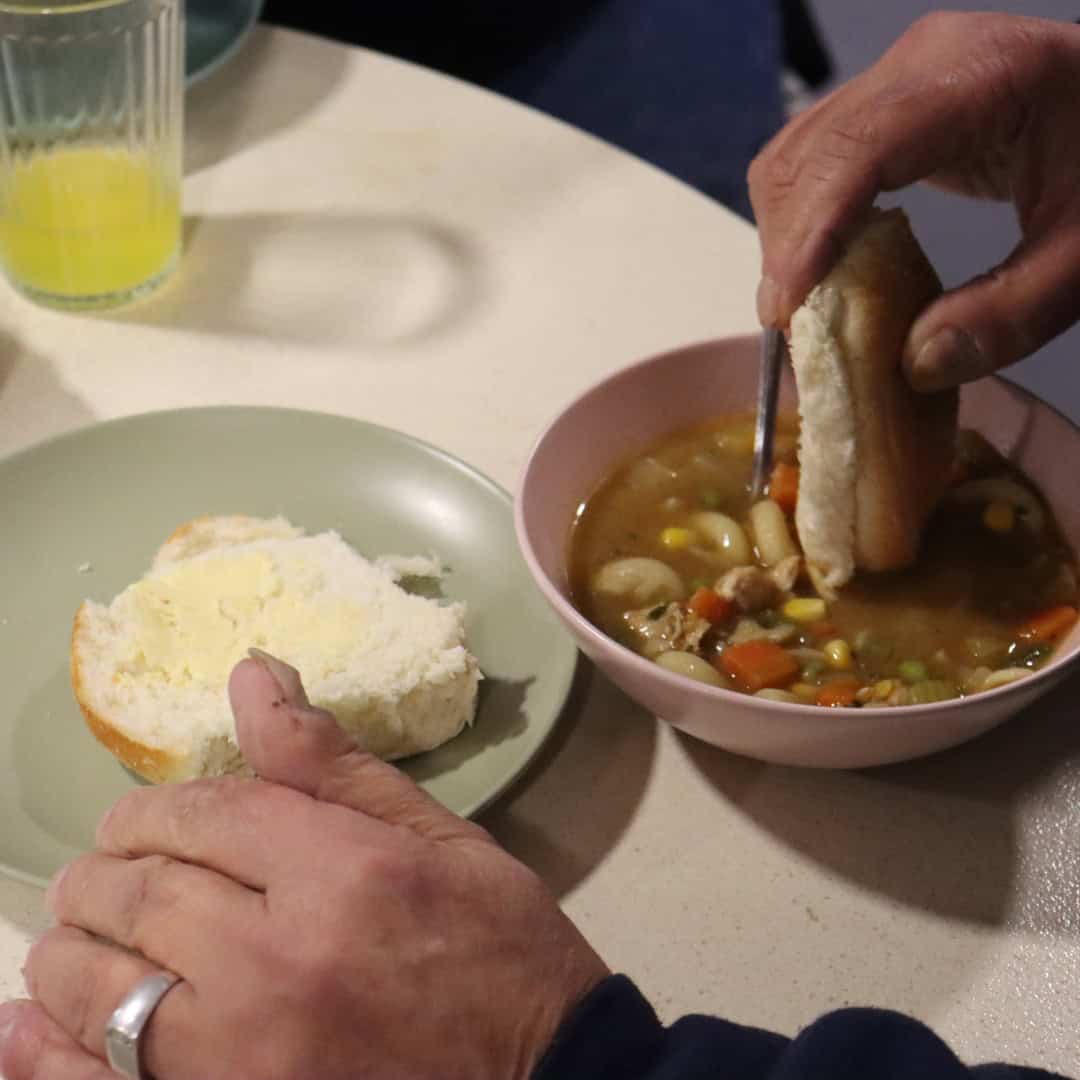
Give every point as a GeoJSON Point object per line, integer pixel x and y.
{"type": "Point", "coordinates": [615, 1035]}
{"type": "Point", "coordinates": [691, 85]}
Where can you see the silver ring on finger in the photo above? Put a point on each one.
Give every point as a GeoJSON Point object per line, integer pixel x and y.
{"type": "Point", "coordinates": [124, 1030]}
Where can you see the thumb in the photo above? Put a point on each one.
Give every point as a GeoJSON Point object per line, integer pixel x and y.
{"type": "Point", "coordinates": [1000, 317]}
{"type": "Point", "coordinates": [289, 741]}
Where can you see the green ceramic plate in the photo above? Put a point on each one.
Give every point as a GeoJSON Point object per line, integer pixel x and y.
{"type": "Point", "coordinates": [215, 29]}
{"type": "Point", "coordinates": [82, 515]}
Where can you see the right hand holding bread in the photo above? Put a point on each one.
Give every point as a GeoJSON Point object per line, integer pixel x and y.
{"type": "Point", "coordinates": [982, 104]}
{"type": "Point", "coordinates": [329, 920]}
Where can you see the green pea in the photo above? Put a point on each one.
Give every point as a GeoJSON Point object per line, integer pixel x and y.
{"type": "Point", "coordinates": [913, 671]}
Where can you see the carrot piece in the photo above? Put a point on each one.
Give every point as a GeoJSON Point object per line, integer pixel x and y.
{"type": "Point", "coordinates": [1047, 625]}
{"type": "Point", "coordinates": [755, 665]}
{"type": "Point", "coordinates": [784, 486]}
{"type": "Point", "coordinates": [709, 604]}
{"type": "Point", "coordinates": [839, 693]}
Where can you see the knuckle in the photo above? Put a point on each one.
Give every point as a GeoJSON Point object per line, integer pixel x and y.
{"type": "Point", "coordinates": [774, 170]}
{"type": "Point", "coordinates": [473, 832]}
{"type": "Point", "coordinates": [757, 172]}
{"type": "Point", "coordinates": [115, 824]}
{"type": "Point", "coordinates": [376, 880]}
{"type": "Point", "coordinates": [150, 887]}
{"type": "Point", "coordinates": [934, 25]}
{"type": "Point", "coordinates": [386, 869]}
{"type": "Point", "coordinates": [69, 883]}
{"type": "Point", "coordinates": [38, 954]}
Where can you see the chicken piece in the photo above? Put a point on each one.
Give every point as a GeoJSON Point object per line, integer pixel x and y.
{"type": "Point", "coordinates": [674, 627]}
{"type": "Point", "coordinates": [751, 588]}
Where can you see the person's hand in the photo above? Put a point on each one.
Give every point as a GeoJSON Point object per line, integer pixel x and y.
{"type": "Point", "coordinates": [985, 105]}
{"type": "Point", "coordinates": [334, 923]}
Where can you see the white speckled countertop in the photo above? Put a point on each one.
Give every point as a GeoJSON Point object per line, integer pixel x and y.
{"type": "Point", "coordinates": [370, 238]}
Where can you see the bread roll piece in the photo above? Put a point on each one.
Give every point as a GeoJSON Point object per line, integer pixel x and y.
{"type": "Point", "coordinates": [150, 669]}
{"type": "Point", "coordinates": [875, 456]}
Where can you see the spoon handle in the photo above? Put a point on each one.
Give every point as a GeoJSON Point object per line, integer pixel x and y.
{"type": "Point", "coordinates": [772, 353]}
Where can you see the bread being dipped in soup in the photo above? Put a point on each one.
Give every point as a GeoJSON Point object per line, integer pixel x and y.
{"type": "Point", "coordinates": [875, 456]}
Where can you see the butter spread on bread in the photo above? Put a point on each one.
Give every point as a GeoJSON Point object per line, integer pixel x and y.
{"type": "Point", "coordinates": [150, 670]}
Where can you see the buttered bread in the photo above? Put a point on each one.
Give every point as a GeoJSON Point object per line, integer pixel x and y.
{"type": "Point", "coordinates": [150, 669]}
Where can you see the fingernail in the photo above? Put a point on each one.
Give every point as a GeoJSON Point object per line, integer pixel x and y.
{"type": "Point", "coordinates": [285, 675]}
{"type": "Point", "coordinates": [768, 302]}
{"type": "Point", "coordinates": [54, 888]}
{"type": "Point", "coordinates": [951, 356]}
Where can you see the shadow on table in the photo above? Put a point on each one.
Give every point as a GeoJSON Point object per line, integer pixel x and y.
{"type": "Point", "coordinates": [945, 834]}
{"type": "Point", "coordinates": [318, 279]}
{"type": "Point", "coordinates": [33, 402]}
{"type": "Point", "coordinates": [580, 795]}
{"type": "Point", "coordinates": [236, 107]}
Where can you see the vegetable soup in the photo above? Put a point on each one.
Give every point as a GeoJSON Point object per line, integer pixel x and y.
{"type": "Point", "coordinates": [672, 558]}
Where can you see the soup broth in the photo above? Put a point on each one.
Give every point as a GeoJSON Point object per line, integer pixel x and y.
{"type": "Point", "coordinates": [672, 558]}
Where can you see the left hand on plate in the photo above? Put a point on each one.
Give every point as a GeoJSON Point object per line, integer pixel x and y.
{"type": "Point", "coordinates": [329, 919]}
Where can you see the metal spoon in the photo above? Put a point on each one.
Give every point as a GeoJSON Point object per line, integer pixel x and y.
{"type": "Point", "coordinates": [773, 350]}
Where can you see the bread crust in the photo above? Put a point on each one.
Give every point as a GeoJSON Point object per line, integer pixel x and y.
{"type": "Point", "coordinates": [154, 765]}
{"type": "Point", "coordinates": [904, 441]}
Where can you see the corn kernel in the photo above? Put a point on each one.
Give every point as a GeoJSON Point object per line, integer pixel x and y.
{"type": "Point", "coordinates": [837, 654]}
{"type": "Point", "coordinates": [883, 689]}
{"type": "Point", "coordinates": [805, 609]}
{"type": "Point", "coordinates": [999, 517]}
{"type": "Point", "coordinates": [676, 539]}
{"type": "Point", "coordinates": [804, 691]}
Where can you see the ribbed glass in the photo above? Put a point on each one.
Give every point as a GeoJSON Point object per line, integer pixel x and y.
{"type": "Point", "coordinates": [91, 127]}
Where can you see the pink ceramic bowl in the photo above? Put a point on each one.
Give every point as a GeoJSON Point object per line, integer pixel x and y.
{"type": "Point", "coordinates": [630, 409]}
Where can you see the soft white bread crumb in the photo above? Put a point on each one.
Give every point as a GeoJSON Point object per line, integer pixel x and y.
{"type": "Point", "coordinates": [150, 669]}
{"type": "Point", "coordinates": [215, 532]}
{"type": "Point", "coordinates": [825, 511]}
{"type": "Point", "coordinates": [875, 456]}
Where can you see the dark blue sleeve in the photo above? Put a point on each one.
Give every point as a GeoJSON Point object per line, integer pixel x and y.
{"type": "Point", "coordinates": [615, 1035]}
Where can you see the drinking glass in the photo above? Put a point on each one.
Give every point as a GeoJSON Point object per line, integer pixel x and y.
{"type": "Point", "coordinates": [91, 125]}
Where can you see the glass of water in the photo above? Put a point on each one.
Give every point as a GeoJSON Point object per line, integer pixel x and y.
{"type": "Point", "coordinates": [91, 127]}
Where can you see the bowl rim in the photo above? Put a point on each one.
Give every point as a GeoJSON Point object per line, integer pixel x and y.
{"type": "Point", "coordinates": [1058, 666]}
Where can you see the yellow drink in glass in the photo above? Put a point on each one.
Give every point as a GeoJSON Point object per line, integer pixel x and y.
{"type": "Point", "coordinates": [91, 127]}
{"type": "Point", "coordinates": [88, 222]}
